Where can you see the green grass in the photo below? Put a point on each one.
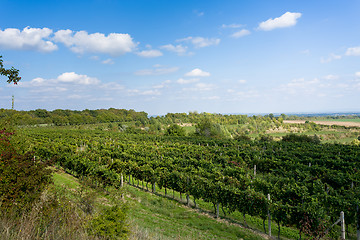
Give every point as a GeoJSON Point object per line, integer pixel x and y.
{"type": "Point", "coordinates": [66, 180]}
{"type": "Point", "coordinates": [164, 218]}
{"type": "Point", "coordinates": [208, 209]}
{"type": "Point", "coordinates": [337, 120]}
{"type": "Point", "coordinates": [153, 216]}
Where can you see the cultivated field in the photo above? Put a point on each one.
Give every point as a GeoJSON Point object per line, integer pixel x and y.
{"type": "Point", "coordinates": [338, 123]}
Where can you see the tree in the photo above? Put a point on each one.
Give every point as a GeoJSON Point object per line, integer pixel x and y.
{"type": "Point", "coordinates": [209, 129]}
{"type": "Point", "coordinates": [12, 74]}
{"type": "Point", "coordinates": [175, 130]}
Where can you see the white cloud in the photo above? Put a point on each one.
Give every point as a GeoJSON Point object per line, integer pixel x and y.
{"type": "Point", "coordinates": [187, 81]}
{"type": "Point", "coordinates": [114, 44]}
{"type": "Point", "coordinates": [288, 19]}
{"type": "Point", "coordinates": [179, 49]}
{"type": "Point", "coordinates": [37, 81]}
{"type": "Point", "coordinates": [150, 53]}
{"type": "Point", "coordinates": [27, 39]}
{"type": "Point", "coordinates": [302, 86]}
{"type": "Point", "coordinates": [357, 74]}
{"type": "Point", "coordinates": [94, 58]}
{"type": "Point", "coordinates": [159, 70]}
{"type": "Point", "coordinates": [248, 94]}
{"type": "Point", "coordinates": [331, 77]}
{"type": "Point", "coordinates": [331, 58]}
{"type": "Point", "coordinates": [199, 14]}
{"type": "Point", "coordinates": [146, 92]}
{"type": "Point", "coordinates": [64, 79]}
{"type": "Point", "coordinates": [234, 25]}
{"type": "Point", "coordinates": [242, 81]}
{"type": "Point", "coordinates": [197, 73]}
{"type": "Point", "coordinates": [112, 86]}
{"type": "Point", "coordinates": [200, 42]}
{"type": "Point", "coordinates": [72, 77]}
{"type": "Point", "coordinates": [162, 85]}
{"type": "Point", "coordinates": [353, 51]}
{"type": "Point", "coordinates": [108, 61]}
{"type": "Point", "coordinates": [204, 86]}
{"type": "Point", "coordinates": [241, 33]}
{"type": "Point", "coordinates": [305, 52]}
{"type": "Point", "coordinates": [201, 87]}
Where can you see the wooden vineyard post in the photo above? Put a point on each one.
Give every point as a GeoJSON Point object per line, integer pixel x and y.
{"type": "Point", "coordinates": [254, 171]}
{"type": "Point", "coordinates": [342, 220]}
{"type": "Point", "coordinates": [187, 194]}
{"type": "Point", "coordinates": [269, 216]}
{"type": "Point", "coordinates": [217, 210]}
{"type": "Point", "coordinates": [122, 185]}
{"type": "Point", "coordinates": [154, 187]}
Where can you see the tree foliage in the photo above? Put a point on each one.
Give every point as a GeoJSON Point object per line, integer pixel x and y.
{"type": "Point", "coordinates": [22, 176]}
{"type": "Point", "coordinates": [12, 74]}
{"type": "Point", "coordinates": [175, 130]}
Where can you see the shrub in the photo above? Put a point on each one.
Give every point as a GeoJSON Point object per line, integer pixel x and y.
{"type": "Point", "coordinates": [22, 176]}
{"type": "Point", "coordinates": [175, 130]}
{"type": "Point", "coordinates": [301, 138]}
{"type": "Point", "coordinates": [111, 223]}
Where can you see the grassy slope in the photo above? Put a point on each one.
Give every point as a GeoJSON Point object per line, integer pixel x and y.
{"type": "Point", "coordinates": [164, 218]}
{"type": "Point", "coordinates": [153, 216]}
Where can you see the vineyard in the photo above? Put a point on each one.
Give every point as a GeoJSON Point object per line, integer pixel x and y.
{"type": "Point", "coordinates": [309, 183]}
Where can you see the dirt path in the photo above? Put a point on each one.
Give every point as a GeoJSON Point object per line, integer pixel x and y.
{"type": "Point", "coordinates": [346, 124]}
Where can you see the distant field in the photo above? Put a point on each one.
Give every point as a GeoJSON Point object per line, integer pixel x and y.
{"type": "Point", "coordinates": [339, 122]}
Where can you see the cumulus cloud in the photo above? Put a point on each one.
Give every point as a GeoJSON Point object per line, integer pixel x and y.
{"type": "Point", "coordinates": [64, 78]}
{"type": "Point", "coordinates": [331, 77]}
{"type": "Point", "coordinates": [114, 44]}
{"type": "Point", "coordinates": [158, 70]}
{"type": "Point", "coordinates": [155, 92]}
{"type": "Point", "coordinates": [72, 77]}
{"type": "Point", "coordinates": [353, 51]}
{"type": "Point", "coordinates": [187, 81]}
{"type": "Point", "coordinates": [150, 53]}
{"type": "Point", "coordinates": [301, 86]}
{"type": "Point", "coordinates": [331, 58]}
{"type": "Point", "coordinates": [198, 13]}
{"type": "Point", "coordinates": [201, 87]}
{"type": "Point", "coordinates": [108, 61]}
{"type": "Point", "coordinates": [178, 49]}
{"type": "Point", "coordinates": [288, 19]}
{"type": "Point", "coordinates": [234, 25]}
{"type": "Point", "coordinates": [357, 74]}
{"type": "Point", "coordinates": [241, 33]}
{"type": "Point", "coordinates": [200, 42]}
{"type": "Point", "coordinates": [27, 39]}
{"type": "Point", "coordinates": [197, 73]}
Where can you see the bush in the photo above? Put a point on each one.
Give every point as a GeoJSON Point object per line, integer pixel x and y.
{"type": "Point", "coordinates": [301, 138]}
{"type": "Point", "coordinates": [22, 176]}
{"type": "Point", "coordinates": [175, 130]}
{"type": "Point", "coordinates": [111, 223]}
{"type": "Point", "coordinates": [266, 138]}
{"type": "Point", "coordinates": [242, 137]}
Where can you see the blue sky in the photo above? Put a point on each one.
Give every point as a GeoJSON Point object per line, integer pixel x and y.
{"type": "Point", "coordinates": [180, 56]}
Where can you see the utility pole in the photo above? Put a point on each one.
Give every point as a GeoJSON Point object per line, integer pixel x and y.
{"type": "Point", "coordinates": [12, 102]}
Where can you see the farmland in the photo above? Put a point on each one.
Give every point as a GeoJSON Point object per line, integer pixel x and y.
{"type": "Point", "coordinates": [309, 181]}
